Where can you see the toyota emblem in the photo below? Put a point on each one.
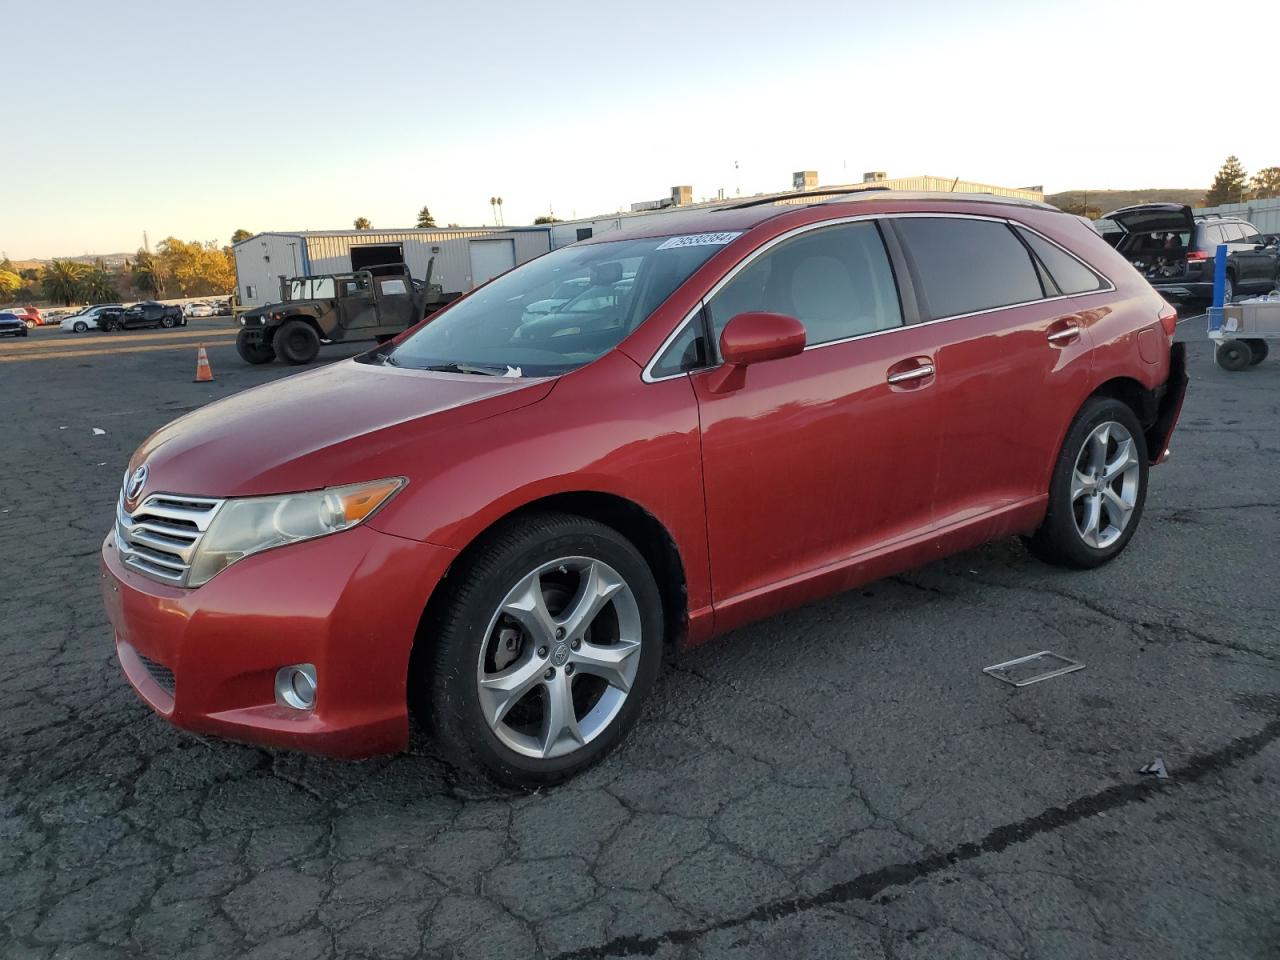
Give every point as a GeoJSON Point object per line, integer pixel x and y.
{"type": "Point", "coordinates": [136, 483]}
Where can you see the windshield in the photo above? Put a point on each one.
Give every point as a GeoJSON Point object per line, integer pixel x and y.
{"type": "Point", "coordinates": [613, 288]}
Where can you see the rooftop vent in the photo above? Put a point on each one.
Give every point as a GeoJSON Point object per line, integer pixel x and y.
{"type": "Point", "coordinates": [804, 180]}
{"type": "Point", "coordinates": [874, 176]}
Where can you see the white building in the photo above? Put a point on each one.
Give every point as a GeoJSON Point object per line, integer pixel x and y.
{"type": "Point", "coordinates": [464, 257]}
{"type": "Point", "coordinates": [804, 187]}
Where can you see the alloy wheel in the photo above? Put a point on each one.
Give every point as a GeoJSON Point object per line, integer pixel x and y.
{"type": "Point", "coordinates": [560, 657]}
{"type": "Point", "coordinates": [1104, 484]}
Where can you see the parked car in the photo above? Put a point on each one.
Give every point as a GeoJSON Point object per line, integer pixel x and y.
{"type": "Point", "coordinates": [513, 525]}
{"type": "Point", "coordinates": [1176, 250]}
{"type": "Point", "coordinates": [30, 316]}
{"type": "Point", "coordinates": [198, 310]}
{"type": "Point", "coordinates": [222, 308]}
{"type": "Point", "coordinates": [12, 325]}
{"type": "Point", "coordinates": [87, 319]}
{"type": "Point", "coordinates": [147, 313]}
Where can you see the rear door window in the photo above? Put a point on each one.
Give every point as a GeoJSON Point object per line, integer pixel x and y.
{"type": "Point", "coordinates": [966, 266]}
{"type": "Point", "coordinates": [835, 280]}
{"type": "Point", "coordinates": [1251, 234]}
{"type": "Point", "coordinates": [1068, 273]}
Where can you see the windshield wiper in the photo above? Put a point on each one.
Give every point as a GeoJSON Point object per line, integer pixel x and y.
{"type": "Point", "coordinates": [498, 370]}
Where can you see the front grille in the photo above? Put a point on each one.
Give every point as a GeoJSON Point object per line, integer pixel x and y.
{"type": "Point", "coordinates": [159, 673]}
{"type": "Point", "coordinates": [159, 538]}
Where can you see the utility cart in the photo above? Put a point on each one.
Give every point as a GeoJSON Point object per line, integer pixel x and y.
{"type": "Point", "coordinates": [1241, 330]}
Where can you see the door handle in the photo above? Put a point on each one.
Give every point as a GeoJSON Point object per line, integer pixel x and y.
{"type": "Point", "coordinates": [1069, 332]}
{"type": "Point", "coordinates": [922, 372]}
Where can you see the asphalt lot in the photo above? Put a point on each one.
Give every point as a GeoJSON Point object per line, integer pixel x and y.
{"type": "Point", "coordinates": [840, 781]}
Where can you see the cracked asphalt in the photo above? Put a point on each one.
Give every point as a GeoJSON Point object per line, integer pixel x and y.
{"type": "Point", "coordinates": [839, 781]}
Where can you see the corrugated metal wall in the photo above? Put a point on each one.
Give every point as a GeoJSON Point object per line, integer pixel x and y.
{"type": "Point", "coordinates": [330, 253]}
{"type": "Point", "coordinates": [1263, 214]}
{"type": "Point", "coordinates": [261, 261]}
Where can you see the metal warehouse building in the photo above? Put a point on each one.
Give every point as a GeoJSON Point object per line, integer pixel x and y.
{"type": "Point", "coordinates": [464, 258]}
{"type": "Point", "coordinates": [803, 181]}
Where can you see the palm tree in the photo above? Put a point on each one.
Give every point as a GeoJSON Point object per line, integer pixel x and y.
{"type": "Point", "coordinates": [99, 287]}
{"type": "Point", "coordinates": [147, 277]}
{"type": "Point", "coordinates": [63, 281]}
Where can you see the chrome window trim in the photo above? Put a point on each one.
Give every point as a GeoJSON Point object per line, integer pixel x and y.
{"type": "Point", "coordinates": [647, 374]}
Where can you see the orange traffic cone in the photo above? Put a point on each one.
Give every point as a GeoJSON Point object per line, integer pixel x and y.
{"type": "Point", "coordinates": [204, 372]}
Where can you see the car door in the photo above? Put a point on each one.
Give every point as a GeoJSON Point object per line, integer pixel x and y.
{"type": "Point", "coordinates": [1012, 359]}
{"type": "Point", "coordinates": [817, 457]}
{"type": "Point", "coordinates": [1257, 265]}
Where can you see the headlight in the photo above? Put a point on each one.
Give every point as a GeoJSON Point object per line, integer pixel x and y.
{"type": "Point", "coordinates": [242, 321]}
{"type": "Point", "coordinates": [250, 525]}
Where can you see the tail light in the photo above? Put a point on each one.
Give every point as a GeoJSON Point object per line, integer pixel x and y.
{"type": "Point", "coordinates": [1169, 319]}
{"type": "Point", "coordinates": [1199, 255]}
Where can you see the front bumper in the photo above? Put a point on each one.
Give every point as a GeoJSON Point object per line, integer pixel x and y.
{"type": "Point", "coordinates": [349, 603]}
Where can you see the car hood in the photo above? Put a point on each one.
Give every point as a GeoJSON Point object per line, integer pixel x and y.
{"type": "Point", "coordinates": [1152, 218]}
{"type": "Point", "coordinates": [340, 424]}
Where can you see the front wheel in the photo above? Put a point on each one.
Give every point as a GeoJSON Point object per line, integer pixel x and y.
{"type": "Point", "coordinates": [1098, 488]}
{"type": "Point", "coordinates": [80, 327]}
{"type": "Point", "coordinates": [254, 350]}
{"type": "Point", "coordinates": [540, 659]}
{"type": "Point", "coordinates": [297, 342]}
{"type": "Point", "coordinates": [166, 322]}
{"type": "Point", "coordinates": [22, 332]}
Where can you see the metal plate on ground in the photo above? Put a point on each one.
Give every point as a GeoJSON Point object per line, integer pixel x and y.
{"type": "Point", "coordinates": [1032, 669]}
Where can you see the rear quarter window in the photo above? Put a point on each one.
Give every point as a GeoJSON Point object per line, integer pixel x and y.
{"type": "Point", "coordinates": [1068, 273]}
{"type": "Point", "coordinates": [966, 266]}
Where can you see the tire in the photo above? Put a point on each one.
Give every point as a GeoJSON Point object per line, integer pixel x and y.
{"type": "Point", "coordinates": [254, 352]}
{"type": "Point", "coordinates": [80, 326]}
{"type": "Point", "coordinates": [1228, 290]}
{"type": "Point", "coordinates": [1233, 355]}
{"type": "Point", "coordinates": [1259, 349]}
{"type": "Point", "coordinates": [525, 745]}
{"type": "Point", "coordinates": [30, 324]}
{"type": "Point", "coordinates": [1064, 537]}
{"type": "Point", "coordinates": [23, 331]}
{"type": "Point", "coordinates": [166, 322]}
{"type": "Point", "coordinates": [297, 342]}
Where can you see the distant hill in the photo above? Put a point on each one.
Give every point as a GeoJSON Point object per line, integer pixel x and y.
{"type": "Point", "coordinates": [112, 261]}
{"type": "Point", "coordinates": [1104, 201]}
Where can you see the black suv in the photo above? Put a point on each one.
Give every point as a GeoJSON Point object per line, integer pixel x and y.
{"type": "Point", "coordinates": [147, 313]}
{"type": "Point", "coordinates": [1175, 250]}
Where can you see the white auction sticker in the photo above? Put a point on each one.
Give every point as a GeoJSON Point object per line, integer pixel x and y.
{"type": "Point", "coordinates": [698, 240]}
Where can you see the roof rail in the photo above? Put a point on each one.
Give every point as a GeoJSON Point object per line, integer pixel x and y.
{"type": "Point", "coordinates": [776, 197]}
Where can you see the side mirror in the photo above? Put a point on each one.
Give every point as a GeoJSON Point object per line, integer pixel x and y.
{"type": "Point", "coordinates": [755, 337]}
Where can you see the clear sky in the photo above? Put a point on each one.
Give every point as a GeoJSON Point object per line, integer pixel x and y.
{"type": "Point", "coordinates": [197, 119]}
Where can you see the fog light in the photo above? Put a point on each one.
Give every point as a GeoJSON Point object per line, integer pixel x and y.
{"type": "Point", "coordinates": [296, 686]}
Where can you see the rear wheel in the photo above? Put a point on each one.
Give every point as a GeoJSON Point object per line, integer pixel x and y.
{"type": "Point", "coordinates": [1098, 488]}
{"type": "Point", "coordinates": [254, 349]}
{"type": "Point", "coordinates": [31, 324]}
{"type": "Point", "coordinates": [166, 322]}
{"type": "Point", "coordinates": [549, 642]}
{"type": "Point", "coordinates": [297, 342]}
{"type": "Point", "coordinates": [1229, 290]}
{"type": "Point", "coordinates": [1233, 355]}
{"type": "Point", "coordinates": [1259, 349]}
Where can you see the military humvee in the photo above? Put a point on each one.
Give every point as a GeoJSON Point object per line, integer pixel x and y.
{"type": "Point", "coordinates": [372, 304]}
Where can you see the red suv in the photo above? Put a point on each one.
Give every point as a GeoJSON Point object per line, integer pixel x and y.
{"type": "Point", "coordinates": [500, 519]}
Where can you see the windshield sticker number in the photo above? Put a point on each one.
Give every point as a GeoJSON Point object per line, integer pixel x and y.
{"type": "Point", "coordinates": [698, 240]}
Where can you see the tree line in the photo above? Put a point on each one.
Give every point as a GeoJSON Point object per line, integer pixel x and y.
{"type": "Point", "coordinates": [177, 268]}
